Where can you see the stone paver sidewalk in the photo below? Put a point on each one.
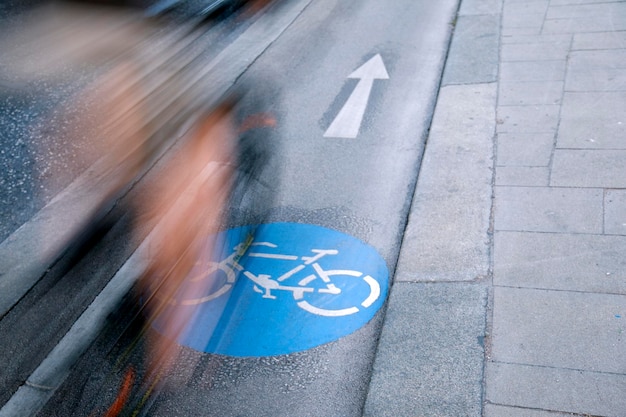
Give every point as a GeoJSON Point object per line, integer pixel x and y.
{"type": "Point", "coordinates": [512, 278]}
{"type": "Point", "coordinates": [559, 261]}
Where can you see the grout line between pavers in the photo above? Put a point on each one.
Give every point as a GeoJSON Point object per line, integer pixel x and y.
{"type": "Point", "coordinates": [543, 232]}
{"type": "Point", "coordinates": [558, 123]}
{"type": "Point", "coordinates": [559, 290]}
{"type": "Point", "coordinates": [556, 233]}
{"type": "Point", "coordinates": [561, 368]}
{"type": "Point", "coordinates": [552, 412]}
{"type": "Point", "coordinates": [477, 281]}
{"type": "Point", "coordinates": [556, 187]}
{"type": "Point", "coordinates": [604, 196]}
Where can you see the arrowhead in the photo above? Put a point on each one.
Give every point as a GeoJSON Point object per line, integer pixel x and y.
{"type": "Point", "coordinates": [374, 68]}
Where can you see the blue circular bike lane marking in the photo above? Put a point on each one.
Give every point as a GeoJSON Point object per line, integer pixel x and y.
{"type": "Point", "coordinates": [296, 286]}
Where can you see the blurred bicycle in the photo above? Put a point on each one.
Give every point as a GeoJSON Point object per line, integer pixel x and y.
{"type": "Point", "coordinates": [154, 95]}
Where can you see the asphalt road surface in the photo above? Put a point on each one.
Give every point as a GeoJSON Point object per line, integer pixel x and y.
{"type": "Point", "coordinates": [352, 85]}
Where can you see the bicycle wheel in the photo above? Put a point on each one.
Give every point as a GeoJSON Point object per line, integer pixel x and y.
{"type": "Point", "coordinates": [349, 293]}
{"type": "Point", "coordinates": [213, 280]}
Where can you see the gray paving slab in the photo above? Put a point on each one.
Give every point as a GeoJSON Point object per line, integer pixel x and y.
{"type": "Point", "coordinates": [477, 7]}
{"type": "Point", "coordinates": [515, 31]}
{"type": "Point", "coordinates": [494, 410]}
{"type": "Point", "coordinates": [539, 209]}
{"type": "Point", "coordinates": [540, 51]}
{"type": "Point", "coordinates": [430, 357]}
{"type": "Point", "coordinates": [553, 389]}
{"type": "Point", "coordinates": [473, 54]}
{"type": "Point", "coordinates": [522, 21]}
{"type": "Point", "coordinates": [560, 329]}
{"type": "Point", "coordinates": [512, 93]}
{"type": "Point", "coordinates": [615, 212]}
{"type": "Point", "coordinates": [523, 176]}
{"type": "Point", "coordinates": [589, 168]}
{"type": "Point", "coordinates": [447, 233]}
{"type": "Point", "coordinates": [601, 40]}
{"type": "Point", "coordinates": [525, 149]}
{"type": "Point", "coordinates": [583, 24]}
{"type": "Point", "coordinates": [601, 70]}
{"type": "Point", "coordinates": [593, 120]}
{"type": "Point", "coordinates": [526, 7]}
{"type": "Point", "coordinates": [533, 71]}
{"type": "Point", "coordinates": [528, 119]}
{"type": "Point", "coordinates": [572, 10]}
{"type": "Point", "coordinates": [585, 263]}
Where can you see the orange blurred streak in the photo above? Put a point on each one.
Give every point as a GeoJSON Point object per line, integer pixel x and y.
{"type": "Point", "coordinates": [186, 208]}
{"type": "Point", "coordinates": [256, 121]}
{"type": "Point", "coordinates": [255, 6]}
{"type": "Point", "coordinates": [123, 395]}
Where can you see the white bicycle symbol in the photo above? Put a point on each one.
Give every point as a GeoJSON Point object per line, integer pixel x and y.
{"type": "Point", "coordinates": [303, 292]}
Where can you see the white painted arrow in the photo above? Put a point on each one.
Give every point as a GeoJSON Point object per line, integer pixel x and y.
{"type": "Point", "coordinates": [348, 120]}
